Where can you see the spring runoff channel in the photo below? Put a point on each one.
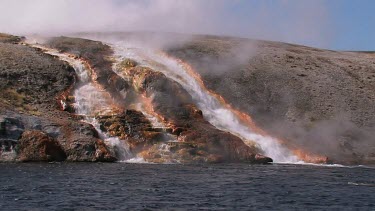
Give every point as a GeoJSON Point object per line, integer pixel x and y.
{"type": "Point", "coordinates": [90, 100]}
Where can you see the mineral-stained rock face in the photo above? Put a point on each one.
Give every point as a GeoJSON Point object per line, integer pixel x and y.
{"type": "Point", "coordinates": [34, 127]}
{"type": "Point", "coordinates": [198, 140]}
{"type": "Point", "coordinates": [81, 143]}
{"type": "Point", "coordinates": [132, 126]}
{"type": "Point", "coordinates": [38, 146]}
{"type": "Point", "coordinates": [217, 144]}
{"type": "Point", "coordinates": [102, 153]}
{"type": "Point", "coordinates": [96, 54]}
{"type": "Point", "coordinates": [294, 92]}
{"type": "Point", "coordinates": [320, 100]}
{"type": "Point", "coordinates": [195, 139]}
{"type": "Point", "coordinates": [168, 98]}
{"type": "Point", "coordinates": [31, 83]}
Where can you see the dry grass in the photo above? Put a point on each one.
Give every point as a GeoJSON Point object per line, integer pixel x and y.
{"type": "Point", "coordinates": [7, 38]}
{"type": "Point", "coordinates": [12, 97]}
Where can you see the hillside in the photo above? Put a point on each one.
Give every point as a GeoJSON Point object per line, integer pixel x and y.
{"type": "Point", "coordinates": [321, 100]}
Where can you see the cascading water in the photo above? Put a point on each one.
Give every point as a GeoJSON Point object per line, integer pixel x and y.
{"type": "Point", "coordinates": [90, 100]}
{"type": "Point", "coordinates": [214, 111]}
{"type": "Point", "coordinates": [143, 106]}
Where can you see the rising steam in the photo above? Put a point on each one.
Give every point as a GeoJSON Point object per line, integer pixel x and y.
{"type": "Point", "coordinates": [307, 22]}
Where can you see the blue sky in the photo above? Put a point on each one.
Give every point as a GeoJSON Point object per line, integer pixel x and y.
{"type": "Point", "coordinates": [354, 24]}
{"type": "Point", "coordinates": [330, 24]}
{"type": "Point", "coordinates": [340, 24]}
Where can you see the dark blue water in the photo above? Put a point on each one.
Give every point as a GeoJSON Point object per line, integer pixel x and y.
{"type": "Point", "coordinates": [119, 186]}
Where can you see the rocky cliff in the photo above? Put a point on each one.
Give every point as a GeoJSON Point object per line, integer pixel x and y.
{"type": "Point", "coordinates": [194, 139]}
{"type": "Point", "coordinates": [33, 125]}
{"type": "Point", "coordinates": [314, 100]}
{"type": "Point", "coordinates": [39, 123]}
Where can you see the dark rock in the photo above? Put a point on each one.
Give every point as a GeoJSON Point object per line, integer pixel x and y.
{"type": "Point", "coordinates": [80, 142]}
{"type": "Point", "coordinates": [102, 153]}
{"type": "Point", "coordinates": [52, 130]}
{"type": "Point", "coordinates": [11, 128]}
{"type": "Point", "coordinates": [7, 145]}
{"type": "Point", "coordinates": [2, 127]}
{"type": "Point", "coordinates": [34, 123]}
{"type": "Point", "coordinates": [261, 159]}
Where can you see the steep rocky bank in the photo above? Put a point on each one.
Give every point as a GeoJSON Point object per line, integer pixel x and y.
{"type": "Point", "coordinates": [316, 100]}
{"type": "Point", "coordinates": [195, 139]}
{"type": "Point", "coordinates": [319, 100]}
{"type": "Point", "coordinates": [198, 137]}
{"type": "Point", "coordinates": [31, 85]}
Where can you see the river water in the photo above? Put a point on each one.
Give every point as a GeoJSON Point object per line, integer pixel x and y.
{"type": "Point", "coordinates": [120, 186]}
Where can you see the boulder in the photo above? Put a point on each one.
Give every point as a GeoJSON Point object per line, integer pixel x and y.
{"type": "Point", "coordinates": [38, 146]}
{"type": "Point", "coordinates": [261, 159]}
{"type": "Point", "coordinates": [102, 152]}
{"type": "Point", "coordinates": [81, 142]}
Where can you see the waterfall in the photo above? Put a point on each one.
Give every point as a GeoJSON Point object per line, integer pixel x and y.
{"type": "Point", "coordinates": [91, 100]}
{"type": "Point", "coordinates": [219, 115]}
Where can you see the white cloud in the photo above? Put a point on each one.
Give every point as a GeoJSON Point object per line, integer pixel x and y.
{"type": "Point", "coordinates": [303, 22]}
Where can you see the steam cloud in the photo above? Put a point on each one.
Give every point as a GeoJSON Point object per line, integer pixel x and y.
{"type": "Point", "coordinates": [295, 21]}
